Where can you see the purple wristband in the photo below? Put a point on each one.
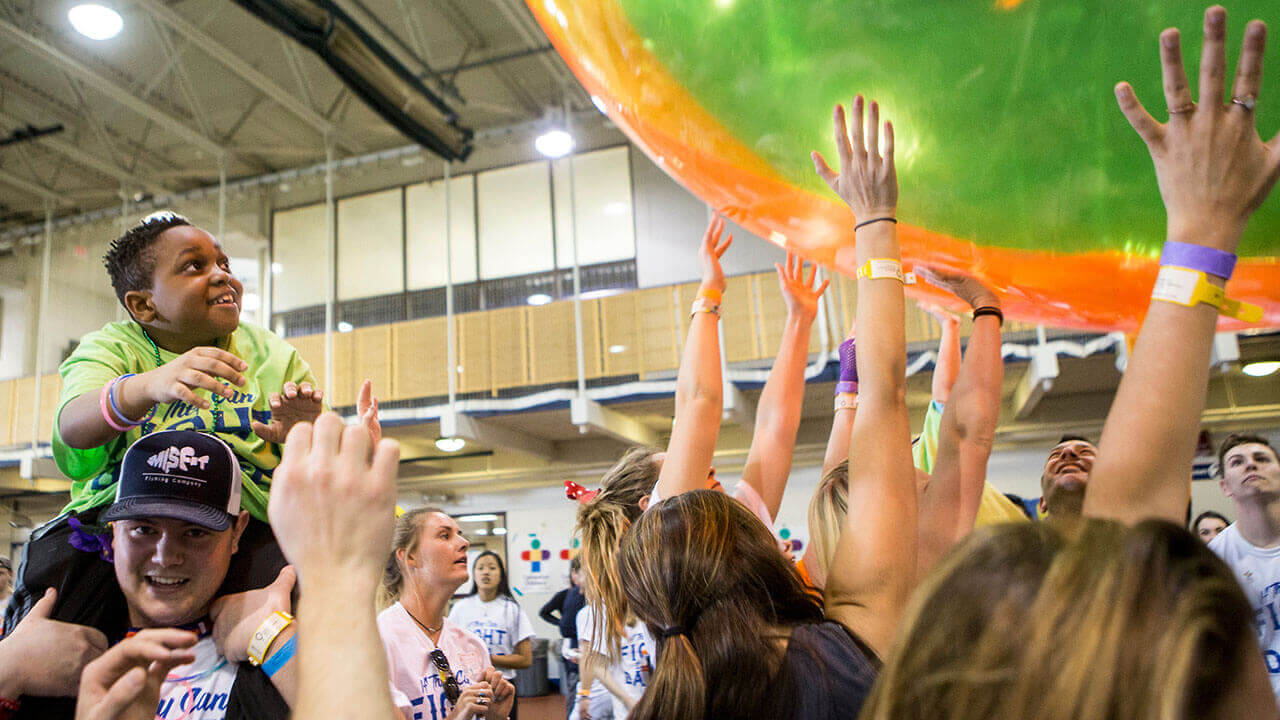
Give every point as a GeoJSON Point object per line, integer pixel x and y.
{"type": "Point", "coordinates": [848, 369]}
{"type": "Point", "coordinates": [1198, 257]}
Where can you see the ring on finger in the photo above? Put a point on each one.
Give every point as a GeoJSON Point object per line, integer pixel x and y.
{"type": "Point", "coordinates": [1188, 107]}
{"type": "Point", "coordinates": [1248, 102]}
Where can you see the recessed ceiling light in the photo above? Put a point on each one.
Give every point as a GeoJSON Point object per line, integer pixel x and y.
{"type": "Point", "coordinates": [538, 299]}
{"type": "Point", "coordinates": [1261, 369]}
{"type": "Point", "coordinates": [450, 444]}
{"type": "Point", "coordinates": [617, 349]}
{"type": "Point", "coordinates": [96, 22]}
{"type": "Point", "coordinates": [554, 143]}
{"type": "Point", "coordinates": [478, 517]}
{"type": "Point", "coordinates": [499, 531]}
{"type": "Point", "coordinates": [345, 326]}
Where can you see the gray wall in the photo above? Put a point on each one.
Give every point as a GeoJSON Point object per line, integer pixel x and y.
{"type": "Point", "coordinates": [669, 226]}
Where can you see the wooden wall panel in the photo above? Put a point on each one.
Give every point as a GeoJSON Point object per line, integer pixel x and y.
{"type": "Point", "coordinates": [311, 348]}
{"type": "Point", "coordinates": [737, 313]}
{"type": "Point", "coordinates": [772, 310]}
{"type": "Point", "coordinates": [373, 359]}
{"type": "Point", "coordinates": [509, 347]}
{"type": "Point", "coordinates": [553, 356]}
{"type": "Point", "coordinates": [473, 352]}
{"type": "Point", "coordinates": [24, 404]}
{"type": "Point", "coordinates": [420, 354]}
{"type": "Point", "coordinates": [656, 322]}
{"type": "Point", "coordinates": [620, 335]}
{"type": "Point", "coordinates": [7, 388]}
{"type": "Point", "coordinates": [345, 369]}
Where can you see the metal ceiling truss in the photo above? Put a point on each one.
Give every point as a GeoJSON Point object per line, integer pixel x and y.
{"type": "Point", "coordinates": [111, 89]}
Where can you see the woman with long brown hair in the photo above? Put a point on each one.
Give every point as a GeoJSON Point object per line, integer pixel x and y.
{"type": "Point", "coordinates": [737, 633]}
{"type": "Point", "coordinates": [643, 476]}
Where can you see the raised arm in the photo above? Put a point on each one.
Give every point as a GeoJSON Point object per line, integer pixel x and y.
{"type": "Point", "coordinates": [949, 503]}
{"type": "Point", "coordinates": [1214, 172]}
{"type": "Point", "coordinates": [846, 406]}
{"type": "Point", "coordinates": [699, 392]}
{"type": "Point", "coordinates": [874, 567]}
{"type": "Point", "coordinates": [778, 413]}
{"type": "Point", "coordinates": [332, 510]}
{"type": "Point", "coordinates": [947, 369]}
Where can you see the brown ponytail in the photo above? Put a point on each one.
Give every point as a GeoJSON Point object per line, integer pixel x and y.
{"type": "Point", "coordinates": [707, 578]}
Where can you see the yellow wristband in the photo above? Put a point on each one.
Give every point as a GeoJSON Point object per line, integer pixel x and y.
{"type": "Point", "coordinates": [885, 269]}
{"type": "Point", "coordinates": [1187, 287]}
{"type": "Point", "coordinates": [266, 634]}
{"type": "Point", "coordinates": [715, 296]}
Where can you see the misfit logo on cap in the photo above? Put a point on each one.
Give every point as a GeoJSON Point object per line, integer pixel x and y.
{"type": "Point", "coordinates": [181, 458]}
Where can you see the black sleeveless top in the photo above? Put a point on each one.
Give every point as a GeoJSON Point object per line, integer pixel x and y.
{"type": "Point", "coordinates": [835, 669]}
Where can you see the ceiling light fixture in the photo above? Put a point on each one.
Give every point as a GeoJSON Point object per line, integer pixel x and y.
{"type": "Point", "coordinates": [345, 326]}
{"type": "Point", "coordinates": [554, 143]}
{"type": "Point", "coordinates": [1262, 368]}
{"type": "Point", "coordinates": [96, 22]}
{"type": "Point", "coordinates": [538, 299]}
{"type": "Point", "coordinates": [450, 444]}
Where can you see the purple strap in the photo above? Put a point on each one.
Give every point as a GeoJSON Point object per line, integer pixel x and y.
{"type": "Point", "coordinates": [848, 369]}
{"type": "Point", "coordinates": [1198, 257]}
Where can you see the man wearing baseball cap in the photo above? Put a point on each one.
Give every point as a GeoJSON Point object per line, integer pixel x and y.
{"type": "Point", "coordinates": [175, 524]}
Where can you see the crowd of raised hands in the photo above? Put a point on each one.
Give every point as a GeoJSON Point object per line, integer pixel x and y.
{"type": "Point", "coordinates": [332, 498]}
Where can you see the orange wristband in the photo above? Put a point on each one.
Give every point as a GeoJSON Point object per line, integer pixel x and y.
{"type": "Point", "coordinates": [715, 296]}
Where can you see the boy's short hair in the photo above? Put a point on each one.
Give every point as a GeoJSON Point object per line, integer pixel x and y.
{"type": "Point", "coordinates": [1235, 439]}
{"type": "Point", "coordinates": [129, 261]}
{"type": "Point", "coordinates": [1074, 438]}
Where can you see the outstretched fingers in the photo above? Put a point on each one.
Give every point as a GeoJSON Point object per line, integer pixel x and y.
{"type": "Point", "coordinates": [1213, 57]}
{"type": "Point", "coordinates": [855, 128]}
{"type": "Point", "coordinates": [873, 131]}
{"type": "Point", "coordinates": [1249, 70]}
{"type": "Point", "coordinates": [1177, 94]}
{"type": "Point", "coordinates": [1146, 126]}
{"type": "Point", "coordinates": [888, 142]}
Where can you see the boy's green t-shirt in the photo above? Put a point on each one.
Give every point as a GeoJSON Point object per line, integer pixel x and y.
{"type": "Point", "coordinates": [121, 348]}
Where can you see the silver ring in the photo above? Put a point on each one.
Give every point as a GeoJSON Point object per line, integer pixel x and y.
{"type": "Point", "coordinates": [1248, 102]}
{"type": "Point", "coordinates": [1182, 109]}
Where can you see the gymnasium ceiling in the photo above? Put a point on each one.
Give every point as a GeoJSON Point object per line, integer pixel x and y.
{"type": "Point", "coordinates": [192, 84]}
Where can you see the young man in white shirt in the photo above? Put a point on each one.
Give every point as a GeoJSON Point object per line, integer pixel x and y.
{"type": "Point", "coordinates": [1249, 474]}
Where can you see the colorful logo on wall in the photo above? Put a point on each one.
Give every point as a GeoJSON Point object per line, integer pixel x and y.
{"type": "Point", "coordinates": [567, 552]}
{"type": "Point", "coordinates": [535, 555]}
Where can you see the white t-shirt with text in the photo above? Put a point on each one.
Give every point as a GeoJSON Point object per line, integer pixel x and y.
{"type": "Point", "coordinates": [200, 690]}
{"type": "Point", "coordinates": [416, 687]}
{"type": "Point", "coordinates": [500, 624]}
{"type": "Point", "coordinates": [633, 671]}
{"type": "Point", "coordinates": [1258, 571]}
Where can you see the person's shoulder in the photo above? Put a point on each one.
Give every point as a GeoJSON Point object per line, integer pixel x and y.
{"type": "Point", "coordinates": [114, 337]}
{"type": "Point", "coordinates": [1228, 537]}
{"type": "Point", "coordinates": [392, 617]}
{"type": "Point", "coordinates": [259, 339]}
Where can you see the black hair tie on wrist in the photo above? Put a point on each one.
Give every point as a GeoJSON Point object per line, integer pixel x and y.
{"type": "Point", "coordinates": [875, 220]}
{"type": "Point", "coordinates": [989, 310]}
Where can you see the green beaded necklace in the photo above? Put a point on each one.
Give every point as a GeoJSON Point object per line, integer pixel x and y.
{"type": "Point", "coordinates": [217, 399]}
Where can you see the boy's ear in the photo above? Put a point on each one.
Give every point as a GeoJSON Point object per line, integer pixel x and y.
{"type": "Point", "coordinates": [139, 305]}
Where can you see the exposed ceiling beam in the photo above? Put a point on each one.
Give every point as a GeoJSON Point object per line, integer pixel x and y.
{"type": "Point", "coordinates": [89, 160]}
{"type": "Point", "coordinates": [492, 435]}
{"type": "Point", "coordinates": [245, 71]}
{"type": "Point", "coordinates": [40, 191]}
{"type": "Point", "coordinates": [110, 89]}
{"type": "Point", "coordinates": [587, 413]}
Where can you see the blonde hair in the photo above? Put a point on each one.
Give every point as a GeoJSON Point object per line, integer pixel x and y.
{"type": "Point", "coordinates": [408, 530]}
{"type": "Point", "coordinates": [1092, 621]}
{"type": "Point", "coordinates": [602, 522]}
{"type": "Point", "coordinates": [827, 510]}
